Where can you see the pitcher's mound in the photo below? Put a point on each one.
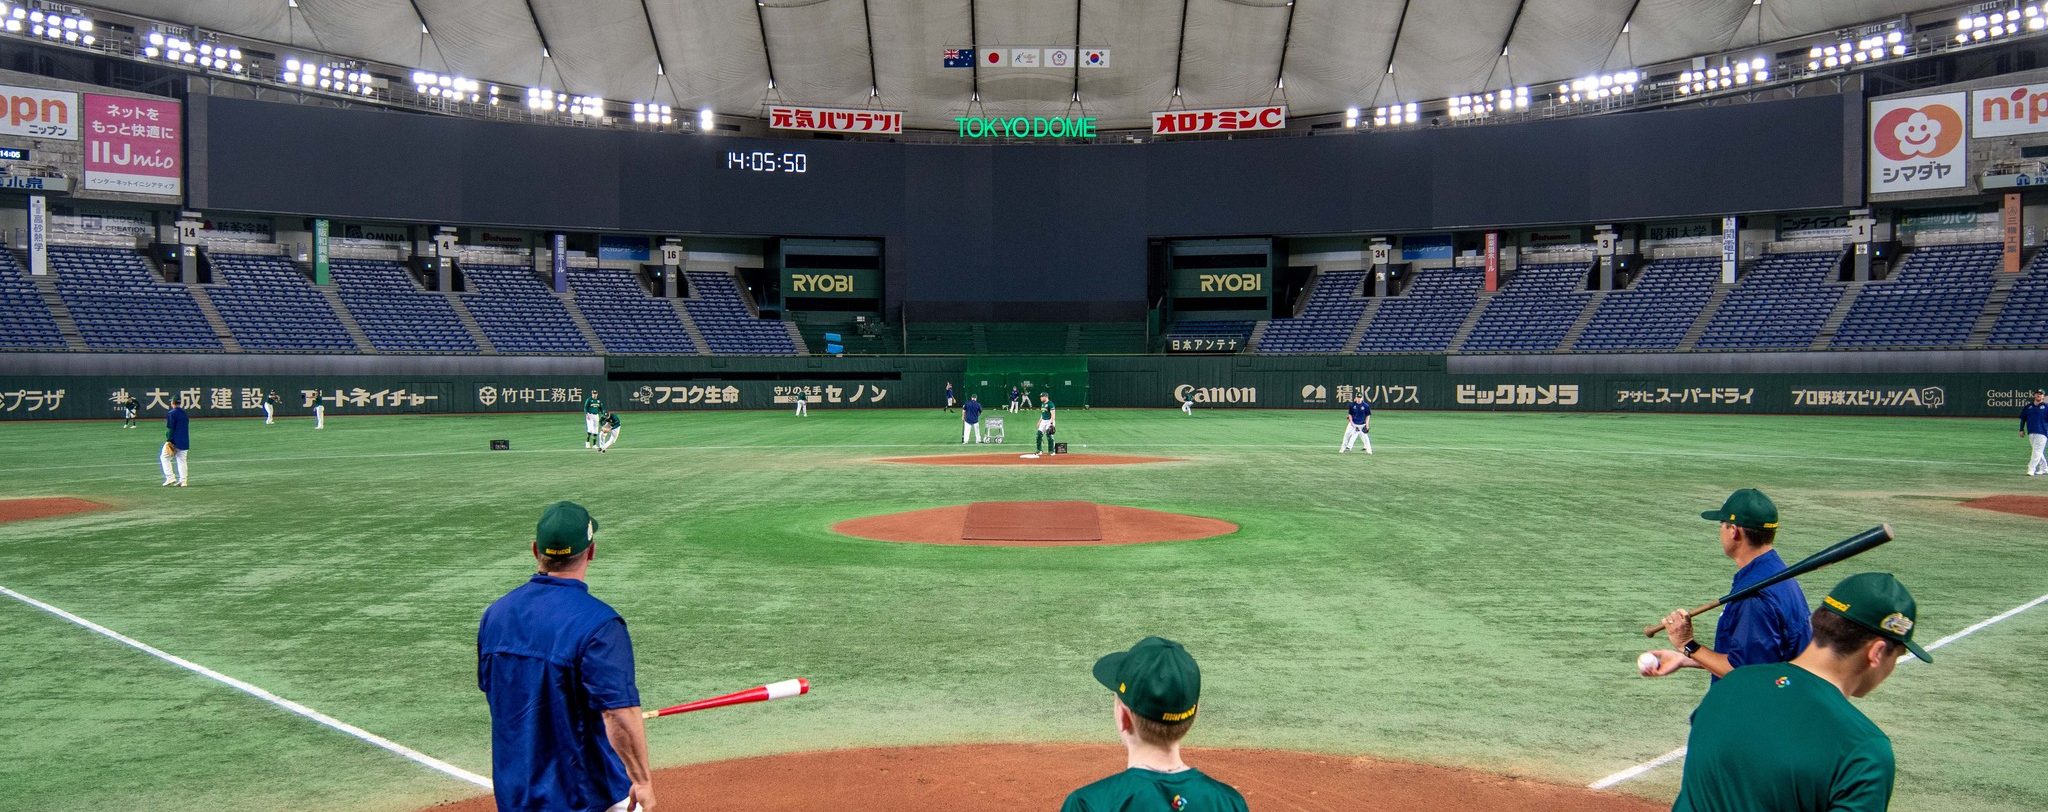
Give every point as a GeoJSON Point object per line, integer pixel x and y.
{"type": "Point", "coordinates": [1034, 524]}
{"type": "Point", "coordinates": [21, 510]}
{"type": "Point", "coordinates": [2035, 506]}
{"type": "Point", "coordinates": [1008, 777]}
{"type": "Point", "coordinates": [1019, 459]}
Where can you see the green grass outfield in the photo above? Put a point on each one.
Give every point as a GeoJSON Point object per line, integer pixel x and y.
{"type": "Point", "coordinates": [1468, 596]}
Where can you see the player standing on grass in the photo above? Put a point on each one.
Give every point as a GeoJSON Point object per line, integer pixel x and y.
{"type": "Point", "coordinates": [128, 405]}
{"type": "Point", "coordinates": [607, 431]}
{"type": "Point", "coordinates": [1360, 425]}
{"type": "Point", "coordinates": [270, 402]}
{"type": "Point", "coordinates": [972, 412]}
{"type": "Point", "coordinates": [1046, 428]}
{"type": "Point", "coordinates": [593, 410]}
{"type": "Point", "coordinates": [949, 397]}
{"type": "Point", "coordinates": [1016, 398]}
{"type": "Point", "coordinates": [2034, 427]}
{"type": "Point", "coordinates": [803, 402]}
{"type": "Point", "coordinates": [1158, 687]}
{"type": "Point", "coordinates": [556, 666]}
{"type": "Point", "coordinates": [1783, 737]}
{"type": "Point", "coordinates": [177, 440]}
{"type": "Point", "coordinates": [1771, 627]}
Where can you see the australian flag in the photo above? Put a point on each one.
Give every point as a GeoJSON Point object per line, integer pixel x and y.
{"type": "Point", "coordinates": [959, 57]}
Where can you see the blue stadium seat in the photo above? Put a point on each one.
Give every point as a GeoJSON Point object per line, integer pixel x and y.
{"type": "Point", "coordinates": [722, 318]}
{"type": "Point", "coordinates": [1656, 312]}
{"type": "Point", "coordinates": [2024, 320]}
{"type": "Point", "coordinates": [1533, 311]}
{"type": "Point", "coordinates": [1426, 316]}
{"type": "Point", "coordinates": [518, 313]}
{"type": "Point", "coordinates": [25, 320]}
{"type": "Point", "coordinates": [1326, 319]}
{"type": "Point", "coordinates": [393, 311]}
{"type": "Point", "coordinates": [625, 316]}
{"type": "Point", "coordinates": [1779, 304]}
{"type": "Point", "coordinates": [1933, 300]}
{"type": "Point", "coordinates": [119, 302]}
{"type": "Point", "coordinates": [270, 305]}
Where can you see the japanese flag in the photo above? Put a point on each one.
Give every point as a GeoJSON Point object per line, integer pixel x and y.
{"type": "Point", "coordinates": [995, 58]}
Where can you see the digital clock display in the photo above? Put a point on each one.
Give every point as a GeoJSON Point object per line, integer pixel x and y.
{"type": "Point", "coordinates": [795, 163]}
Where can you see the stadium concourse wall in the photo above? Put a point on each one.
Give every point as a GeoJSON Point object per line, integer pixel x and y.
{"type": "Point", "coordinates": [1959, 384]}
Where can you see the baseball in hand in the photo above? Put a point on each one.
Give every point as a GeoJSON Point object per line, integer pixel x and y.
{"type": "Point", "coordinates": [1646, 663]}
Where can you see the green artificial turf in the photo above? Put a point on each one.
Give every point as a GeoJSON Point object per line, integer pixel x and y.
{"type": "Point", "coordinates": [1470, 595]}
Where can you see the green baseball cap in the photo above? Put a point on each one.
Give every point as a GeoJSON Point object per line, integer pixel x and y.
{"type": "Point", "coordinates": [1156, 679]}
{"type": "Point", "coordinates": [1749, 508]}
{"type": "Point", "coordinates": [1878, 602]}
{"type": "Point", "coordinates": [565, 529]}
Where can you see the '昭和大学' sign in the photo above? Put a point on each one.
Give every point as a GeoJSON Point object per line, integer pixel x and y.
{"type": "Point", "coordinates": [1026, 127]}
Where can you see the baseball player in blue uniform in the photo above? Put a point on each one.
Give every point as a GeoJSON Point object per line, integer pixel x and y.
{"type": "Point", "coordinates": [177, 440]}
{"type": "Point", "coordinates": [949, 397]}
{"type": "Point", "coordinates": [1016, 398]}
{"type": "Point", "coordinates": [556, 666]}
{"type": "Point", "coordinates": [1772, 627]}
{"type": "Point", "coordinates": [972, 428]}
{"type": "Point", "coordinates": [2034, 427]}
{"type": "Point", "coordinates": [1359, 426]}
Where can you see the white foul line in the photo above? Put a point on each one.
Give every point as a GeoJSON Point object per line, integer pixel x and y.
{"type": "Point", "coordinates": [1674, 755]}
{"type": "Point", "coordinates": [410, 754]}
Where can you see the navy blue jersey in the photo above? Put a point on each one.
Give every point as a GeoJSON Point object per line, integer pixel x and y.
{"type": "Point", "coordinates": [1359, 412]}
{"type": "Point", "coordinates": [177, 429]}
{"type": "Point", "coordinates": [972, 410]}
{"type": "Point", "coordinates": [1770, 628]}
{"type": "Point", "coordinates": [551, 659]}
{"type": "Point", "coordinates": [2034, 418]}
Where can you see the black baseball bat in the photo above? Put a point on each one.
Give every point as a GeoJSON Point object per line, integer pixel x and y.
{"type": "Point", "coordinates": [1846, 548]}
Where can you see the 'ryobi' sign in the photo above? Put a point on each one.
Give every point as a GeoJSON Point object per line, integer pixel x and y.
{"type": "Point", "coordinates": [820, 283]}
{"type": "Point", "coordinates": [834, 283]}
{"type": "Point", "coordinates": [1231, 283]}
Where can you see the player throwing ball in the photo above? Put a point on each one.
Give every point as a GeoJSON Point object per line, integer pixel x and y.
{"type": "Point", "coordinates": [593, 411]}
{"type": "Point", "coordinates": [1360, 425]}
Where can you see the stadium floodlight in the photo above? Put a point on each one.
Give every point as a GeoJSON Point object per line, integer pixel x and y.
{"type": "Point", "coordinates": [706, 120]}
{"type": "Point", "coordinates": [1351, 117]}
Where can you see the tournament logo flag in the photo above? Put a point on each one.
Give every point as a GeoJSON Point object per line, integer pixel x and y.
{"type": "Point", "coordinates": [1095, 58]}
{"type": "Point", "coordinates": [995, 57]}
{"type": "Point", "coordinates": [959, 58]}
{"type": "Point", "coordinates": [1026, 57]}
{"type": "Point", "coordinates": [1059, 57]}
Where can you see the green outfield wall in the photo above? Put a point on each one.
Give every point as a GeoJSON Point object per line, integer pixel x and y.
{"type": "Point", "coordinates": [693, 383]}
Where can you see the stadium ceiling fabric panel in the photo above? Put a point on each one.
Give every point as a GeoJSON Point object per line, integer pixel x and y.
{"type": "Point", "coordinates": [717, 53]}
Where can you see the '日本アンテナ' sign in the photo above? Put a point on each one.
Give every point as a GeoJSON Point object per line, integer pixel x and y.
{"type": "Point", "coordinates": [133, 145]}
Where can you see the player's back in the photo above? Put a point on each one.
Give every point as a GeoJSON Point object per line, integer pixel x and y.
{"type": "Point", "coordinates": [1141, 790]}
{"type": "Point", "coordinates": [1777, 738]}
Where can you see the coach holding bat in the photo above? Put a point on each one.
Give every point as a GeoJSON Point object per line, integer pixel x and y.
{"type": "Point", "coordinates": [557, 668]}
{"type": "Point", "coordinates": [1771, 627]}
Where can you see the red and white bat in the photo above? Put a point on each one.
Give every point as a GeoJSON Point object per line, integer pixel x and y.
{"type": "Point", "coordinates": [759, 693]}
